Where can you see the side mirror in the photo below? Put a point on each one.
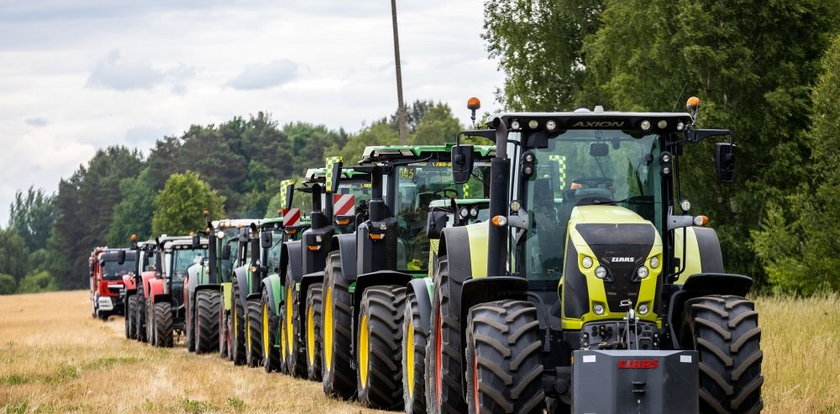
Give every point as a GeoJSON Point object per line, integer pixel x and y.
{"type": "Point", "coordinates": [226, 252]}
{"type": "Point", "coordinates": [435, 223]}
{"type": "Point", "coordinates": [725, 161]}
{"type": "Point", "coordinates": [266, 239]}
{"type": "Point", "coordinates": [121, 257]}
{"type": "Point", "coordinates": [462, 163]}
{"type": "Point", "coordinates": [196, 241]}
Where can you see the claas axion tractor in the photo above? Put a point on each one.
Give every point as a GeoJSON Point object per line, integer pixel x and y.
{"type": "Point", "coordinates": [335, 192]}
{"type": "Point", "coordinates": [368, 273]}
{"type": "Point", "coordinates": [591, 288]}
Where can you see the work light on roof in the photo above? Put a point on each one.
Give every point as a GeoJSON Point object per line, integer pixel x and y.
{"type": "Point", "coordinates": [533, 124]}
{"type": "Point", "coordinates": [645, 125]}
{"type": "Point", "coordinates": [550, 125]}
{"type": "Point", "coordinates": [514, 124]}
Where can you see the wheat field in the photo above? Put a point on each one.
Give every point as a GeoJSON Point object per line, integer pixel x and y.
{"type": "Point", "coordinates": [55, 358]}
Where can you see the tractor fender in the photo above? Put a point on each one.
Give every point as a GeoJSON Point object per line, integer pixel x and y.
{"type": "Point", "coordinates": [703, 284]}
{"type": "Point", "coordinates": [702, 251]}
{"type": "Point", "coordinates": [422, 290]}
{"type": "Point", "coordinates": [129, 283]}
{"type": "Point", "coordinates": [303, 287]}
{"type": "Point", "coordinates": [293, 258]}
{"type": "Point", "coordinates": [458, 245]}
{"type": "Point", "coordinates": [154, 289]}
{"type": "Point", "coordinates": [241, 274]}
{"type": "Point", "coordinates": [274, 286]}
{"type": "Point", "coordinates": [346, 246]}
{"type": "Point", "coordinates": [378, 278]}
{"type": "Point", "coordinates": [147, 277]}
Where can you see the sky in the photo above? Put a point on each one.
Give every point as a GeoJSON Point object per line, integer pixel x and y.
{"type": "Point", "coordinates": [79, 75]}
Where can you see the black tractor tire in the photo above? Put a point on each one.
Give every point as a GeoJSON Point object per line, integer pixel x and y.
{"type": "Point", "coordinates": [237, 332]}
{"type": "Point", "coordinates": [284, 339]}
{"type": "Point", "coordinates": [725, 332]}
{"type": "Point", "coordinates": [254, 347]}
{"type": "Point", "coordinates": [338, 378]}
{"type": "Point", "coordinates": [380, 328]}
{"type": "Point", "coordinates": [207, 304]}
{"type": "Point", "coordinates": [268, 330]}
{"type": "Point", "coordinates": [164, 325]}
{"type": "Point", "coordinates": [296, 351]}
{"type": "Point", "coordinates": [140, 319]}
{"type": "Point", "coordinates": [150, 323]}
{"type": "Point", "coordinates": [189, 325]}
{"type": "Point", "coordinates": [504, 372]}
{"type": "Point", "coordinates": [224, 328]}
{"type": "Point", "coordinates": [313, 332]}
{"type": "Point", "coordinates": [444, 372]}
{"type": "Point", "coordinates": [414, 339]}
{"type": "Point", "coordinates": [130, 314]}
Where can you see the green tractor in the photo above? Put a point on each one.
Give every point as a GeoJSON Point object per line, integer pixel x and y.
{"type": "Point", "coordinates": [336, 193]}
{"type": "Point", "coordinates": [369, 273]}
{"type": "Point", "coordinates": [591, 288]}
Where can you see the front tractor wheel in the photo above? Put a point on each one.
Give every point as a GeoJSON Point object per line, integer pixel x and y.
{"type": "Point", "coordinates": [207, 304]}
{"type": "Point", "coordinates": [130, 315]}
{"type": "Point", "coordinates": [268, 330]}
{"type": "Point", "coordinates": [504, 373]}
{"type": "Point", "coordinates": [295, 358]}
{"type": "Point", "coordinates": [725, 332]}
{"type": "Point", "coordinates": [237, 332]}
{"type": "Point", "coordinates": [339, 379]}
{"type": "Point", "coordinates": [413, 354]}
{"type": "Point", "coordinates": [313, 332]}
{"type": "Point", "coordinates": [378, 347]}
{"type": "Point", "coordinates": [164, 325]}
{"type": "Point", "coordinates": [254, 350]}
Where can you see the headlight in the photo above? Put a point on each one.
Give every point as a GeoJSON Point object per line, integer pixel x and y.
{"type": "Point", "coordinates": [586, 262]}
{"type": "Point", "coordinates": [654, 262]}
{"type": "Point", "coordinates": [474, 212]}
{"type": "Point", "coordinates": [598, 308]}
{"type": "Point", "coordinates": [464, 212]}
{"type": "Point", "coordinates": [600, 272]}
{"type": "Point", "coordinates": [642, 272]}
{"type": "Point", "coordinates": [643, 309]}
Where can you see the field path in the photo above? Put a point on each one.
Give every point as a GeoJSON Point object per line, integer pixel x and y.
{"type": "Point", "coordinates": [55, 358]}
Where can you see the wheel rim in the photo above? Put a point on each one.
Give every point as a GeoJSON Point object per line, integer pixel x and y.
{"type": "Point", "coordinates": [235, 333]}
{"type": "Point", "coordinates": [363, 351]}
{"type": "Point", "coordinates": [248, 342]}
{"type": "Point", "coordinates": [310, 335]}
{"type": "Point", "coordinates": [327, 329]}
{"type": "Point", "coordinates": [283, 351]}
{"type": "Point", "coordinates": [409, 358]}
{"type": "Point", "coordinates": [265, 333]}
{"type": "Point", "coordinates": [438, 358]}
{"type": "Point", "coordinates": [289, 321]}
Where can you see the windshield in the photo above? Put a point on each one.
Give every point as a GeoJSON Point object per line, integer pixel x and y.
{"type": "Point", "coordinates": [418, 185]}
{"type": "Point", "coordinates": [348, 202]}
{"type": "Point", "coordinates": [582, 167]}
{"type": "Point", "coordinates": [272, 260]}
{"type": "Point", "coordinates": [111, 269]}
{"type": "Point", "coordinates": [184, 258]}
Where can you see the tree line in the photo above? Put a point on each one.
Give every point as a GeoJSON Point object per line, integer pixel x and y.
{"type": "Point", "coordinates": [231, 170]}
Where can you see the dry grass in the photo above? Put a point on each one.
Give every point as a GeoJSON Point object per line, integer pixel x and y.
{"type": "Point", "coordinates": [55, 358]}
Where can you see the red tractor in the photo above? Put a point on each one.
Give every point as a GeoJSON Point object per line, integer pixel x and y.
{"type": "Point", "coordinates": [106, 270]}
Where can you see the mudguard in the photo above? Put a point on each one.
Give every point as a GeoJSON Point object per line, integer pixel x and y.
{"type": "Point", "coordinates": [702, 251]}
{"type": "Point", "coordinates": [154, 289]}
{"type": "Point", "coordinates": [293, 259]}
{"type": "Point", "coordinates": [241, 274]}
{"type": "Point", "coordinates": [129, 283]}
{"type": "Point", "coordinates": [306, 281]}
{"type": "Point", "coordinates": [274, 286]}
{"type": "Point", "coordinates": [703, 284]}
{"type": "Point", "coordinates": [379, 278]}
{"type": "Point", "coordinates": [458, 244]}
{"type": "Point", "coordinates": [422, 290]}
{"type": "Point", "coordinates": [346, 245]}
{"type": "Point", "coordinates": [488, 289]}
{"type": "Point", "coordinates": [147, 277]}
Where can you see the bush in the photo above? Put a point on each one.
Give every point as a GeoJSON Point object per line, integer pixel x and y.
{"type": "Point", "coordinates": [38, 282]}
{"type": "Point", "coordinates": [7, 284]}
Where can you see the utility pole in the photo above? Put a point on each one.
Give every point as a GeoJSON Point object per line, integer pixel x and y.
{"type": "Point", "coordinates": [401, 121]}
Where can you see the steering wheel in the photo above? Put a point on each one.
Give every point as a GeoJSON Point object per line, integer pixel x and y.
{"type": "Point", "coordinates": [594, 182]}
{"type": "Point", "coordinates": [444, 192]}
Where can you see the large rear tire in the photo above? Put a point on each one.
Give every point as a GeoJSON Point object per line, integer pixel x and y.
{"type": "Point", "coordinates": [140, 318]}
{"type": "Point", "coordinates": [224, 329]}
{"type": "Point", "coordinates": [207, 320]}
{"type": "Point", "coordinates": [254, 350]}
{"type": "Point", "coordinates": [503, 359]}
{"type": "Point", "coordinates": [313, 332]}
{"type": "Point", "coordinates": [339, 379]}
{"type": "Point", "coordinates": [189, 323]}
{"type": "Point", "coordinates": [413, 358]}
{"type": "Point", "coordinates": [130, 314]}
{"type": "Point", "coordinates": [237, 342]}
{"type": "Point", "coordinates": [444, 372]}
{"type": "Point", "coordinates": [284, 340]}
{"type": "Point", "coordinates": [271, 352]}
{"type": "Point", "coordinates": [164, 325]}
{"type": "Point", "coordinates": [379, 337]}
{"type": "Point", "coordinates": [150, 323]}
{"type": "Point", "coordinates": [296, 354]}
{"type": "Point", "coordinates": [725, 332]}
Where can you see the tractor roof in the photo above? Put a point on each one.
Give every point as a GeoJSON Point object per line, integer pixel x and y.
{"type": "Point", "coordinates": [182, 242]}
{"type": "Point", "coordinates": [380, 153]}
{"type": "Point", "coordinates": [598, 119]}
{"type": "Point", "coordinates": [234, 223]}
{"type": "Point", "coordinates": [274, 222]}
{"type": "Point", "coordinates": [319, 175]}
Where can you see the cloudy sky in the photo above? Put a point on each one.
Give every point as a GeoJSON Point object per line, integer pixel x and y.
{"type": "Point", "coordinates": [77, 75]}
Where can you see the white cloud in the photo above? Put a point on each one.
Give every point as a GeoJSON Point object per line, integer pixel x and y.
{"type": "Point", "coordinates": [36, 122]}
{"type": "Point", "coordinates": [113, 73]}
{"type": "Point", "coordinates": [265, 75]}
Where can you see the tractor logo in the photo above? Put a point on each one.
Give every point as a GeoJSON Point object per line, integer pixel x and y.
{"type": "Point", "coordinates": [638, 364]}
{"type": "Point", "coordinates": [622, 260]}
{"type": "Point", "coordinates": [344, 205]}
{"type": "Point", "coordinates": [598, 124]}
